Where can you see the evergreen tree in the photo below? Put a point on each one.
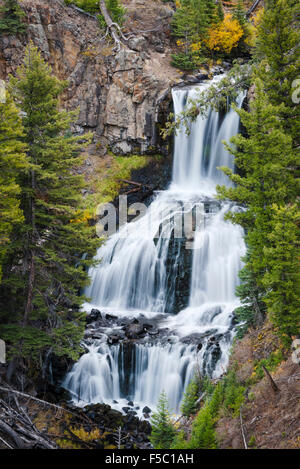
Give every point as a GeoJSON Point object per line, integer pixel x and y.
{"type": "Point", "coordinates": [12, 163]}
{"type": "Point", "coordinates": [190, 24]}
{"type": "Point", "coordinates": [163, 431]}
{"type": "Point", "coordinates": [50, 244]}
{"type": "Point", "coordinates": [188, 406]}
{"type": "Point", "coordinates": [11, 18]}
{"type": "Point", "coordinates": [265, 162]}
{"type": "Point", "coordinates": [183, 25]}
{"type": "Point", "coordinates": [278, 50]}
{"type": "Point", "coordinates": [252, 311]}
{"type": "Point", "coordinates": [239, 13]}
{"type": "Point", "coordinates": [282, 277]}
{"type": "Point", "coordinates": [220, 11]}
{"type": "Point", "coordinates": [203, 429]}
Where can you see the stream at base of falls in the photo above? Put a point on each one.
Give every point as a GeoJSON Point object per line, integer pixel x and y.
{"type": "Point", "coordinates": [163, 297]}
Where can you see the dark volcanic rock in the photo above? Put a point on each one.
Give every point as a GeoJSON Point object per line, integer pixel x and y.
{"type": "Point", "coordinates": [146, 410]}
{"type": "Point", "coordinates": [133, 331]}
{"type": "Point", "coordinates": [110, 316]}
{"type": "Point", "coordinates": [94, 315]}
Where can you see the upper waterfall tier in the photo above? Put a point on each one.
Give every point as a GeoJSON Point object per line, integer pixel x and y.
{"type": "Point", "coordinates": [198, 155]}
{"type": "Point", "coordinates": [145, 266]}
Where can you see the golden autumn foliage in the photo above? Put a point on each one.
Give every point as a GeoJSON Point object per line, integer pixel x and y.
{"type": "Point", "coordinates": [224, 36]}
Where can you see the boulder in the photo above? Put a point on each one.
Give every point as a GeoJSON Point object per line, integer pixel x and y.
{"type": "Point", "coordinates": [110, 316]}
{"type": "Point", "coordinates": [94, 315]}
{"type": "Point", "coordinates": [146, 410]}
{"type": "Point", "coordinates": [133, 331]}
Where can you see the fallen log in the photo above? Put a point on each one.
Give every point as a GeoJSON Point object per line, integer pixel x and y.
{"type": "Point", "coordinates": [40, 401]}
{"type": "Point", "coordinates": [13, 435]}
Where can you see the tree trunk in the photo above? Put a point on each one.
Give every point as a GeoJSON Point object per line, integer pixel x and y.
{"type": "Point", "coordinates": [31, 279]}
{"type": "Point", "coordinates": [253, 8]}
{"type": "Point", "coordinates": [7, 430]}
{"type": "Point", "coordinates": [109, 22]}
{"type": "Point", "coordinates": [113, 28]}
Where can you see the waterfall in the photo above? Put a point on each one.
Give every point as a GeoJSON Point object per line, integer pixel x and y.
{"type": "Point", "coordinates": [187, 281]}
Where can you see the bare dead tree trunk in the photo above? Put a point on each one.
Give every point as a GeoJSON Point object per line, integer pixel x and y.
{"type": "Point", "coordinates": [112, 28]}
{"type": "Point", "coordinates": [243, 432]}
{"type": "Point", "coordinates": [253, 8]}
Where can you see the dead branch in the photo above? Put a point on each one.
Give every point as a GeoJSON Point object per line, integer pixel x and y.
{"type": "Point", "coordinates": [200, 398]}
{"type": "Point", "coordinates": [40, 401]}
{"type": "Point", "coordinates": [272, 382]}
{"type": "Point", "coordinates": [133, 183]}
{"type": "Point", "coordinates": [5, 443]}
{"type": "Point", "coordinates": [253, 8]}
{"type": "Point", "coordinates": [7, 430]}
{"type": "Point", "coordinates": [242, 428]}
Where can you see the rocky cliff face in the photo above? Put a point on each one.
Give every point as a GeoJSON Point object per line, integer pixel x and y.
{"type": "Point", "coordinates": [121, 96]}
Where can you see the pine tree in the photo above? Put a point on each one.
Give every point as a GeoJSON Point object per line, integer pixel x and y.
{"type": "Point", "coordinates": [12, 163]}
{"type": "Point", "coordinates": [163, 431]}
{"type": "Point", "coordinates": [265, 162]}
{"type": "Point", "coordinates": [239, 13]}
{"type": "Point", "coordinates": [220, 11]}
{"type": "Point", "coordinates": [282, 277]}
{"type": "Point", "coordinates": [183, 25]}
{"type": "Point", "coordinates": [50, 245]}
{"type": "Point", "coordinates": [11, 18]}
{"type": "Point", "coordinates": [188, 406]}
{"type": "Point", "coordinates": [278, 50]}
{"type": "Point", "coordinates": [190, 24]}
{"type": "Point", "coordinates": [252, 311]}
{"type": "Point", "coordinates": [203, 429]}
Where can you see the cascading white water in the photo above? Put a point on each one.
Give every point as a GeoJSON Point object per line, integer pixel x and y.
{"type": "Point", "coordinates": [198, 155]}
{"type": "Point", "coordinates": [138, 273]}
{"type": "Point", "coordinates": [102, 375]}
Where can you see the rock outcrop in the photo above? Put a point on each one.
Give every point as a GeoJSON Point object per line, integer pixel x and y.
{"type": "Point", "coordinates": [119, 95]}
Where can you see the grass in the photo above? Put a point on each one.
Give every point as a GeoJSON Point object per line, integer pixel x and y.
{"type": "Point", "coordinates": [107, 182]}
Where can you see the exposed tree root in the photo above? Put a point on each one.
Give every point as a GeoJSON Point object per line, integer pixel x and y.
{"type": "Point", "coordinates": [112, 28]}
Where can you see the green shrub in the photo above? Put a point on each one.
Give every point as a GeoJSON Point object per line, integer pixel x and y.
{"type": "Point", "coordinates": [180, 442]}
{"type": "Point", "coordinates": [271, 363]}
{"type": "Point", "coordinates": [114, 7]}
{"type": "Point", "coordinates": [226, 396]}
{"type": "Point", "coordinates": [182, 61]}
{"type": "Point", "coordinates": [116, 10]}
{"type": "Point", "coordinates": [91, 6]}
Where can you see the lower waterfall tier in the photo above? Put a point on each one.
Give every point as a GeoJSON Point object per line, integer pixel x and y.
{"type": "Point", "coordinates": [139, 372]}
